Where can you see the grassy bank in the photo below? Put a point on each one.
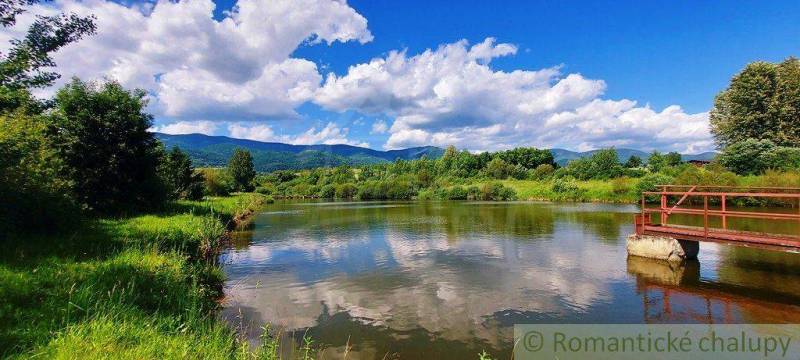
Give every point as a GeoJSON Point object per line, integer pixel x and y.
{"type": "Point", "coordinates": [622, 190]}
{"type": "Point", "coordinates": [136, 287]}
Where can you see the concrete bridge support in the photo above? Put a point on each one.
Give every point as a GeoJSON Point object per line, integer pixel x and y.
{"type": "Point", "coordinates": [662, 247]}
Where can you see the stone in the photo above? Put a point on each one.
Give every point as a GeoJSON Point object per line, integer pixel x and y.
{"type": "Point", "coordinates": [662, 247]}
{"type": "Point", "coordinates": [662, 272]}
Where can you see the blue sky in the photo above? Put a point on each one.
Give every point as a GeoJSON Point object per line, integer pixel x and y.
{"type": "Point", "coordinates": [571, 74]}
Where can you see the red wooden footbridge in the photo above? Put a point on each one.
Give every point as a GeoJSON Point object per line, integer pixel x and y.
{"type": "Point", "coordinates": [711, 203]}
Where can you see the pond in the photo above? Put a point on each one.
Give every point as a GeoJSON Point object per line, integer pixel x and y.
{"type": "Point", "coordinates": [447, 280]}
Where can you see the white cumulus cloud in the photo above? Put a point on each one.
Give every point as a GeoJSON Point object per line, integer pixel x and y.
{"type": "Point", "coordinates": [187, 127]}
{"type": "Point", "coordinates": [452, 96]}
{"type": "Point", "coordinates": [239, 67]}
{"type": "Point", "coordinates": [331, 134]}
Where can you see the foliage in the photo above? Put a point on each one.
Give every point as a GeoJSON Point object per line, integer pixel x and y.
{"type": "Point", "coordinates": [633, 162]}
{"type": "Point", "coordinates": [217, 182]}
{"type": "Point", "coordinates": [526, 157]}
{"type": "Point", "coordinates": [110, 155]}
{"type": "Point", "coordinates": [34, 195]}
{"type": "Point", "coordinates": [753, 156]}
{"type": "Point", "coordinates": [693, 175]}
{"type": "Point", "coordinates": [240, 168]}
{"type": "Point", "coordinates": [497, 192]}
{"type": "Point", "coordinates": [346, 191]}
{"type": "Point", "coordinates": [649, 182]}
{"type": "Point", "coordinates": [762, 102]}
{"type": "Point", "coordinates": [133, 287]}
{"type": "Point", "coordinates": [672, 158]}
{"type": "Point", "coordinates": [25, 65]}
{"type": "Point", "coordinates": [603, 164]}
{"type": "Point", "coordinates": [179, 177]}
{"type": "Point", "coordinates": [543, 171]}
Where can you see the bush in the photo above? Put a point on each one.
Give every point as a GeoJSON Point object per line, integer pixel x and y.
{"type": "Point", "coordinates": [473, 193]}
{"type": "Point", "coordinates": [603, 164]}
{"type": "Point", "coordinates": [457, 193]}
{"type": "Point", "coordinates": [542, 172]}
{"type": "Point", "coordinates": [346, 191]}
{"type": "Point", "coordinates": [179, 177]}
{"type": "Point", "coordinates": [327, 191]}
{"type": "Point", "coordinates": [496, 192]}
{"type": "Point", "coordinates": [266, 189]}
{"type": "Point", "coordinates": [217, 182]}
{"type": "Point", "coordinates": [564, 186]}
{"type": "Point", "coordinates": [34, 195]}
{"type": "Point", "coordinates": [748, 157]}
{"type": "Point", "coordinates": [649, 182]}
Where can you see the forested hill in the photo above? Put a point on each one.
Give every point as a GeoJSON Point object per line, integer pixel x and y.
{"type": "Point", "coordinates": [562, 156]}
{"type": "Point", "coordinates": [269, 156]}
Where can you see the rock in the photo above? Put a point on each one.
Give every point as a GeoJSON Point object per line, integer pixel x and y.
{"type": "Point", "coordinates": [662, 272]}
{"type": "Point", "coordinates": [662, 248]}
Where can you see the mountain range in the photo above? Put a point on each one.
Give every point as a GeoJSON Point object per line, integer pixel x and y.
{"type": "Point", "coordinates": [208, 150]}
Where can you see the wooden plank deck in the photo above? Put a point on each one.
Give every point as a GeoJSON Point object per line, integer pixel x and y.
{"type": "Point", "coordinates": [741, 238]}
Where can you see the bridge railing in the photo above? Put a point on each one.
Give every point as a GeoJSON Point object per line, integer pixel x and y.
{"type": "Point", "coordinates": [723, 194]}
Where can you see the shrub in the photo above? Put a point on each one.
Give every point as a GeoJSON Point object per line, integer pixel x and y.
{"type": "Point", "coordinates": [327, 191]}
{"type": "Point", "coordinates": [217, 182]}
{"type": "Point", "coordinates": [457, 193]}
{"type": "Point", "coordinates": [498, 169]}
{"type": "Point", "coordinates": [179, 177]}
{"type": "Point", "coordinates": [748, 157]}
{"type": "Point", "coordinates": [603, 164]}
{"type": "Point", "coordinates": [266, 189]}
{"type": "Point", "coordinates": [473, 193]}
{"type": "Point", "coordinates": [542, 172]}
{"type": "Point", "coordinates": [496, 192]}
{"type": "Point", "coordinates": [34, 195]}
{"type": "Point", "coordinates": [649, 182]}
{"type": "Point", "coordinates": [564, 186]}
{"type": "Point", "coordinates": [346, 191]}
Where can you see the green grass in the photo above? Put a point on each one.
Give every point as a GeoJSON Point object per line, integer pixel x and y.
{"type": "Point", "coordinates": [138, 287]}
{"type": "Point", "coordinates": [589, 190]}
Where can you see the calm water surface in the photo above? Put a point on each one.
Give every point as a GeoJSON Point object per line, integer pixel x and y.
{"type": "Point", "coordinates": [446, 280]}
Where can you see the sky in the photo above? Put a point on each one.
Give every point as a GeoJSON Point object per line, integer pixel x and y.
{"type": "Point", "coordinates": [480, 75]}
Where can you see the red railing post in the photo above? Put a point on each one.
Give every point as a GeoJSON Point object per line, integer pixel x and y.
{"type": "Point", "coordinates": [644, 213]}
{"type": "Point", "coordinates": [705, 216]}
{"type": "Point", "coordinates": [724, 217]}
{"type": "Point", "coordinates": [663, 206]}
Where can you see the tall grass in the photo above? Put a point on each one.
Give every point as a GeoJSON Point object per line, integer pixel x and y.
{"type": "Point", "coordinates": [128, 288]}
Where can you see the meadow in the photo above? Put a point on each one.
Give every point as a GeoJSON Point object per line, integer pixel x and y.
{"type": "Point", "coordinates": [134, 287]}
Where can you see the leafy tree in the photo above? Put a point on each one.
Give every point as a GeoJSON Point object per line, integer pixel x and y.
{"type": "Point", "coordinates": [656, 162]}
{"type": "Point", "coordinates": [179, 176]}
{"type": "Point", "coordinates": [34, 194]}
{"type": "Point", "coordinates": [498, 169]}
{"type": "Point", "coordinates": [240, 167]}
{"type": "Point", "coordinates": [528, 158]}
{"type": "Point", "coordinates": [762, 102]}
{"type": "Point", "coordinates": [542, 171]}
{"type": "Point", "coordinates": [633, 162]}
{"type": "Point", "coordinates": [26, 64]}
{"type": "Point", "coordinates": [605, 164]}
{"type": "Point", "coordinates": [102, 136]}
{"type": "Point", "coordinates": [672, 158]}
